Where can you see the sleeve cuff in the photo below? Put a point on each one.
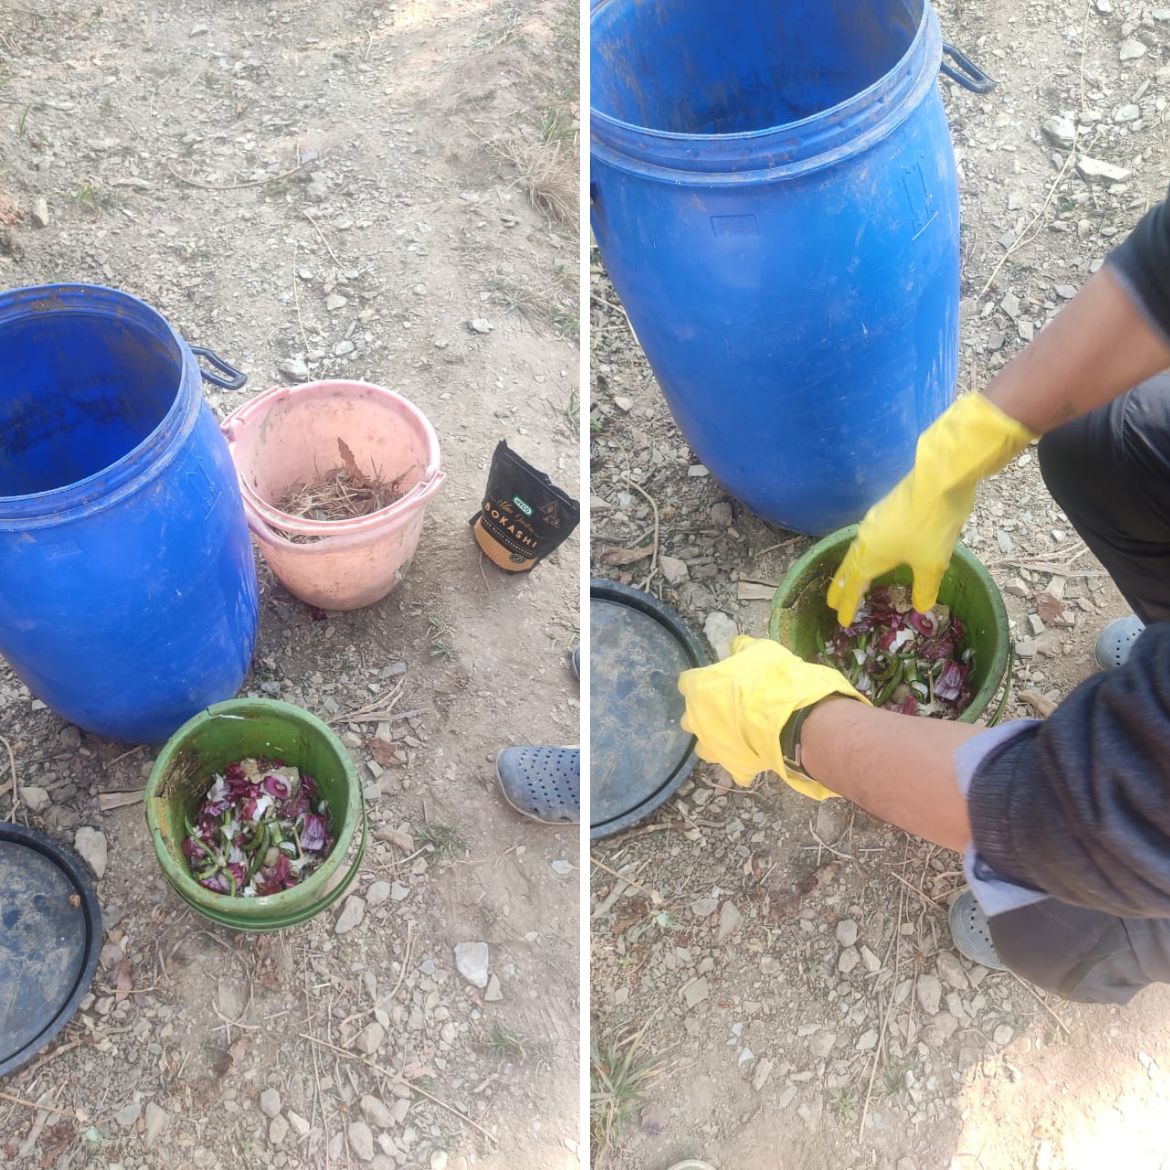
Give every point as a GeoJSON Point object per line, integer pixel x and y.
{"type": "Point", "coordinates": [993, 893]}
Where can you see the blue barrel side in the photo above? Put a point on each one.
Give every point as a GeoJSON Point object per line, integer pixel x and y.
{"type": "Point", "coordinates": [132, 619]}
{"type": "Point", "coordinates": [803, 332]}
{"type": "Point", "coordinates": [794, 286]}
{"type": "Point", "coordinates": [128, 599]}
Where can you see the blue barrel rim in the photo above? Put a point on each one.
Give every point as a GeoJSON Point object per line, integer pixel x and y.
{"type": "Point", "coordinates": [143, 462]}
{"type": "Point", "coordinates": [785, 151]}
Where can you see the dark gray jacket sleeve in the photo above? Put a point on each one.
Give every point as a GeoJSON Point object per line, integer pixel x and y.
{"type": "Point", "coordinates": [1143, 265]}
{"type": "Point", "coordinates": [1079, 806]}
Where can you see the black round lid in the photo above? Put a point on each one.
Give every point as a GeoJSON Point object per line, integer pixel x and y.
{"type": "Point", "coordinates": [639, 754]}
{"type": "Point", "coordinates": [50, 935]}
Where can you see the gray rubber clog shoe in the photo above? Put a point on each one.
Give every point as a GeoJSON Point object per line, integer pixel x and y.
{"type": "Point", "coordinates": [543, 783]}
{"type": "Point", "coordinates": [692, 1164]}
{"type": "Point", "coordinates": [1116, 641]}
{"type": "Point", "coordinates": [970, 931]}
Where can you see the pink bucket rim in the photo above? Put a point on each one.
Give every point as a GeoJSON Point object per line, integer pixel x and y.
{"type": "Point", "coordinates": [432, 477]}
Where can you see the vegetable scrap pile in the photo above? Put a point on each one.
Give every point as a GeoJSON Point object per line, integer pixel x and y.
{"type": "Point", "coordinates": [341, 494]}
{"type": "Point", "coordinates": [913, 663]}
{"type": "Point", "coordinates": [261, 828]}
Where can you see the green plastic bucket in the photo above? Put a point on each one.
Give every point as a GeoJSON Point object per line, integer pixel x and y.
{"type": "Point", "coordinates": [802, 620]}
{"type": "Point", "coordinates": [232, 731]}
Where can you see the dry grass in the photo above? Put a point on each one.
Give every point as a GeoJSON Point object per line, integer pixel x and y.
{"type": "Point", "coordinates": [341, 494]}
{"type": "Point", "coordinates": [619, 1076]}
{"type": "Point", "coordinates": [546, 171]}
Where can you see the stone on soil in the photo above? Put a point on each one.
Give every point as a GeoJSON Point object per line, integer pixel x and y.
{"type": "Point", "coordinates": [377, 1112]}
{"type": "Point", "coordinates": [351, 914]}
{"type": "Point", "coordinates": [847, 932]}
{"type": "Point", "coordinates": [377, 893]}
{"type": "Point", "coordinates": [471, 961]}
{"type": "Point", "coordinates": [399, 892]}
{"type": "Point", "coordinates": [763, 1072]}
{"type": "Point", "coordinates": [156, 1121]}
{"type": "Point", "coordinates": [493, 994]}
{"type": "Point", "coordinates": [1094, 169]}
{"type": "Point", "coordinates": [848, 960]}
{"type": "Point", "coordinates": [480, 325]}
{"type": "Point", "coordinates": [822, 1044]}
{"type": "Point", "coordinates": [361, 1140]}
{"type": "Point", "coordinates": [720, 514]}
{"type": "Point", "coordinates": [35, 799]}
{"type": "Point", "coordinates": [277, 1130]}
{"type": "Point", "coordinates": [127, 1117]}
{"type": "Point", "coordinates": [91, 844]}
{"type": "Point", "coordinates": [673, 570]}
{"type": "Point", "coordinates": [295, 368]}
{"type": "Point", "coordinates": [439, 1160]}
{"type": "Point", "coordinates": [40, 213]}
{"type": "Point", "coordinates": [270, 1102]}
{"type": "Point", "coordinates": [1131, 49]}
{"type": "Point", "coordinates": [299, 1124]}
{"type": "Point", "coordinates": [720, 631]}
{"type": "Point", "coordinates": [951, 971]}
{"type": "Point", "coordinates": [929, 993]}
{"type": "Point", "coordinates": [370, 1038]}
{"type": "Point", "coordinates": [695, 992]}
{"type": "Point", "coordinates": [1060, 130]}
{"type": "Point", "coordinates": [730, 920]}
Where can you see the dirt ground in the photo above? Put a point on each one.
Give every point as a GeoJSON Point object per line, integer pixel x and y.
{"type": "Point", "coordinates": [742, 981]}
{"type": "Point", "coordinates": [335, 188]}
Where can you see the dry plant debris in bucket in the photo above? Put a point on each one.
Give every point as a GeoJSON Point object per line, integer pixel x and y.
{"type": "Point", "coordinates": [340, 494]}
{"type": "Point", "coordinates": [913, 663]}
{"type": "Point", "coordinates": [260, 828]}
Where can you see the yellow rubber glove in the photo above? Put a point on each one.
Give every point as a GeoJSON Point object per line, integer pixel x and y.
{"type": "Point", "coordinates": [918, 523]}
{"type": "Point", "coordinates": [738, 707]}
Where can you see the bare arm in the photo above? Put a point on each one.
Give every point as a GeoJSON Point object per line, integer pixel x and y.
{"type": "Point", "coordinates": [897, 767]}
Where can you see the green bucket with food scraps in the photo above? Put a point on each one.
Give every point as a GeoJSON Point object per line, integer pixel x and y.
{"type": "Point", "coordinates": [803, 622]}
{"type": "Point", "coordinates": [203, 748]}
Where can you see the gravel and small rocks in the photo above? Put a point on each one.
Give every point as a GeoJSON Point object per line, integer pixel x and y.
{"type": "Point", "coordinates": [282, 203]}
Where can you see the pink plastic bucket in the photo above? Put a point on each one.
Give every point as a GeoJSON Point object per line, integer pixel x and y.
{"type": "Point", "coordinates": [288, 437]}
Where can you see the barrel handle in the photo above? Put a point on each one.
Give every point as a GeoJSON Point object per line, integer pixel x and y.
{"type": "Point", "coordinates": [967, 73]}
{"type": "Point", "coordinates": [234, 379]}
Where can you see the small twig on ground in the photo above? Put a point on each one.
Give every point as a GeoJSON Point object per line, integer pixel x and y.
{"type": "Point", "coordinates": [398, 1078]}
{"type": "Point", "coordinates": [12, 780]}
{"type": "Point", "coordinates": [777, 547]}
{"type": "Point", "coordinates": [297, 301]}
{"type": "Point", "coordinates": [484, 575]}
{"type": "Point", "coordinates": [616, 307]}
{"type": "Point", "coordinates": [822, 844]}
{"type": "Point", "coordinates": [123, 756]}
{"type": "Point", "coordinates": [932, 902]}
{"type": "Point", "coordinates": [235, 186]}
{"type": "Point", "coordinates": [34, 1105]}
{"type": "Point", "coordinates": [321, 237]}
{"type": "Point", "coordinates": [654, 506]}
{"type": "Point", "coordinates": [654, 895]}
{"type": "Point", "coordinates": [405, 963]}
{"type": "Point", "coordinates": [877, 1052]}
{"type": "Point", "coordinates": [1037, 997]}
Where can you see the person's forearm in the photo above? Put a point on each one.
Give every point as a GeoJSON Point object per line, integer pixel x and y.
{"type": "Point", "coordinates": [1099, 346]}
{"type": "Point", "coordinates": [897, 767]}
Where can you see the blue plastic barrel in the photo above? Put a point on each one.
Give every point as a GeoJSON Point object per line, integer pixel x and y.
{"type": "Point", "coordinates": [128, 597]}
{"type": "Point", "coordinates": [773, 192]}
